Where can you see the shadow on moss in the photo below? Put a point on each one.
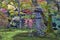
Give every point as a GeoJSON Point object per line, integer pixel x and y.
{"type": "Point", "coordinates": [0, 37]}
{"type": "Point", "coordinates": [25, 36]}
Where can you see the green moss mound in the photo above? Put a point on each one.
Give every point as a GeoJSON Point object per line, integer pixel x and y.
{"type": "Point", "coordinates": [24, 36]}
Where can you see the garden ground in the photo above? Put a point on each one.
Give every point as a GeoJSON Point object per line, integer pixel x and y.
{"type": "Point", "coordinates": [17, 34]}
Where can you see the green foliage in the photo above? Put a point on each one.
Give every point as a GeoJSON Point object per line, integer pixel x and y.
{"type": "Point", "coordinates": [25, 6]}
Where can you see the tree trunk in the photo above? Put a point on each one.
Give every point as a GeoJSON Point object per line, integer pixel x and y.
{"type": "Point", "coordinates": [3, 20]}
{"type": "Point", "coordinates": [49, 24]}
{"type": "Point", "coordinates": [19, 10]}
